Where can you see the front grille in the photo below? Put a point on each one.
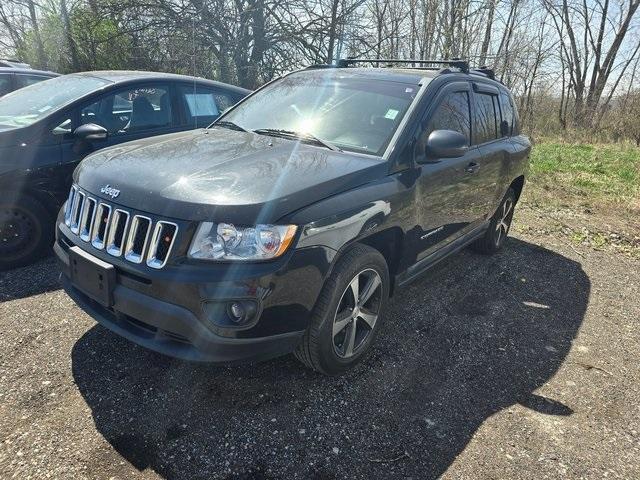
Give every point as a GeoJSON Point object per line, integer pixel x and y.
{"type": "Point", "coordinates": [118, 231]}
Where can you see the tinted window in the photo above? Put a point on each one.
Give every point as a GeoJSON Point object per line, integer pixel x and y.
{"type": "Point", "coordinates": [486, 128]}
{"type": "Point", "coordinates": [5, 84]}
{"type": "Point", "coordinates": [26, 80]}
{"type": "Point", "coordinates": [354, 113]}
{"type": "Point", "coordinates": [30, 104]}
{"type": "Point", "coordinates": [452, 114]}
{"type": "Point", "coordinates": [203, 105]}
{"type": "Point", "coordinates": [509, 113]}
{"type": "Point", "coordinates": [506, 109]}
{"type": "Point", "coordinates": [130, 110]}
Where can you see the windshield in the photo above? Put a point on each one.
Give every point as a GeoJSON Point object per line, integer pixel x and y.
{"type": "Point", "coordinates": [30, 104]}
{"type": "Point", "coordinates": [352, 112]}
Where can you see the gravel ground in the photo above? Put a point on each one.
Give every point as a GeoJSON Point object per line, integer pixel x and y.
{"type": "Point", "coordinates": [521, 365]}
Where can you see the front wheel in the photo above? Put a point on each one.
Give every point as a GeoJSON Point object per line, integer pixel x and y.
{"type": "Point", "coordinates": [348, 313]}
{"type": "Point", "coordinates": [26, 232]}
{"type": "Point", "coordinates": [496, 234]}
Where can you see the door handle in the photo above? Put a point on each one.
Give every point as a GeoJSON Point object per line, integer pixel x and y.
{"type": "Point", "coordinates": [472, 167]}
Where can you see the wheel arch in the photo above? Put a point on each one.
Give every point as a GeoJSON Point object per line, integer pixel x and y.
{"type": "Point", "coordinates": [517, 184]}
{"type": "Point", "coordinates": [13, 187]}
{"type": "Point", "coordinates": [389, 243]}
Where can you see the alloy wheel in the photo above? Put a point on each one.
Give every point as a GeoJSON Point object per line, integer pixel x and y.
{"type": "Point", "coordinates": [504, 222]}
{"type": "Point", "coordinates": [357, 313]}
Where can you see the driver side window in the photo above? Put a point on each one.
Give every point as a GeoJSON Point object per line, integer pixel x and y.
{"type": "Point", "coordinates": [453, 113]}
{"type": "Point", "coordinates": [131, 110]}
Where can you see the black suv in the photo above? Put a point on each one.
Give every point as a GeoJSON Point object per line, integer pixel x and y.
{"type": "Point", "coordinates": [47, 128]}
{"type": "Point", "coordinates": [286, 225]}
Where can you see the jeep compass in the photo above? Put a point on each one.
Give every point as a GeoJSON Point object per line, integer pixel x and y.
{"type": "Point", "coordinates": [286, 225]}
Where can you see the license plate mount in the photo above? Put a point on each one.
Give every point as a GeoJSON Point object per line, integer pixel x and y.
{"type": "Point", "coordinates": [92, 276]}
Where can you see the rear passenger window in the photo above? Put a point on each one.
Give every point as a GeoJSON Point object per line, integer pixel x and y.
{"type": "Point", "coordinates": [452, 114]}
{"type": "Point", "coordinates": [487, 113]}
{"type": "Point", "coordinates": [203, 105]}
{"type": "Point", "coordinates": [506, 127]}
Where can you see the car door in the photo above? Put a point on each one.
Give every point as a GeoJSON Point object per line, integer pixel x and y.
{"type": "Point", "coordinates": [492, 138]}
{"type": "Point", "coordinates": [128, 113]}
{"type": "Point", "coordinates": [448, 199]}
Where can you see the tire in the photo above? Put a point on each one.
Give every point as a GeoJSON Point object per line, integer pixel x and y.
{"type": "Point", "coordinates": [495, 236]}
{"type": "Point", "coordinates": [332, 354]}
{"type": "Point", "coordinates": [26, 232]}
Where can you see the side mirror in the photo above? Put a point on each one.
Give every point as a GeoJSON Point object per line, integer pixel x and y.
{"type": "Point", "coordinates": [446, 144]}
{"type": "Point", "coordinates": [91, 131]}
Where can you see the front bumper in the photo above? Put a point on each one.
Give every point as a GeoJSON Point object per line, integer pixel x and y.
{"type": "Point", "coordinates": [163, 310]}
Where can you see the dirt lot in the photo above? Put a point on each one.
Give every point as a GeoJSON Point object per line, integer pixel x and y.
{"type": "Point", "coordinates": [522, 365]}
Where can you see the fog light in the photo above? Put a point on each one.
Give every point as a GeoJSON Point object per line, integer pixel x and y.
{"type": "Point", "coordinates": [237, 312]}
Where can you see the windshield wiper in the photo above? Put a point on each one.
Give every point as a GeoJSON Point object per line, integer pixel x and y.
{"type": "Point", "coordinates": [228, 124]}
{"type": "Point", "coordinates": [304, 136]}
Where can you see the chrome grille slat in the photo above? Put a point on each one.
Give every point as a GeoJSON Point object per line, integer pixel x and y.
{"type": "Point", "coordinates": [138, 223]}
{"type": "Point", "coordinates": [76, 212]}
{"type": "Point", "coordinates": [115, 238]}
{"type": "Point", "coordinates": [69, 206]}
{"type": "Point", "coordinates": [120, 232]}
{"type": "Point", "coordinates": [86, 221]}
{"type": "Point", "coordinates": [102, 217]}
{"type": "Point", "coordinates": [153, 260]}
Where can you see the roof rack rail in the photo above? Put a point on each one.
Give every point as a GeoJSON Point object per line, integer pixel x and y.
{"type": "Point", "coordinates": [484, 70]}
{"type": "Point", "coordinates": [319, 66]}
{"type": "Point", "coordinates": [463, 65]}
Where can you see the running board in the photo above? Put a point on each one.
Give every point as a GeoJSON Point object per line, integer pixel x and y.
{"type": "Point", "coordinates": [426, 263]}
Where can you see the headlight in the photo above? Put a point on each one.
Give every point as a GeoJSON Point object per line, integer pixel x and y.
{"type": "Point", "coordinates": [223, 241]}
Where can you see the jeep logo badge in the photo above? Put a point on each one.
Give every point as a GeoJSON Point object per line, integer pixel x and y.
{"type": "Point", "coordinates": [108, 190]}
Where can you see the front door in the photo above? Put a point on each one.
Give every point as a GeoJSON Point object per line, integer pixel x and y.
{"type": "Point", "coordinates": [128, 114]}
{"type": "Point", "coordinates": [448, 193]}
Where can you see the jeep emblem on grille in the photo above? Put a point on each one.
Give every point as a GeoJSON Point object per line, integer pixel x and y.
{"type": "Point", "coordinates": [108, 190]}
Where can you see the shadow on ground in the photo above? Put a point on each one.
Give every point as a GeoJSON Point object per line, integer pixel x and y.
{"type": "Point", "coordinates": [40, 277]}
{"type": "Point", "coordinates": [475, 336]}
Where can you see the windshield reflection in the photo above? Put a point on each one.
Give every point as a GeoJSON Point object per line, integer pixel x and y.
{"type": "Point", "coordinates": [352, 112]}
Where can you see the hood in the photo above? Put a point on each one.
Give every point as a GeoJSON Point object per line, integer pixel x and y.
{"type": "Point", "coordinates": [223, 175]}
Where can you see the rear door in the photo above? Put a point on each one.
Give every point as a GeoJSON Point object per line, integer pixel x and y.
{"type": "Point", "coordinates": [449, 203]}
{"type": "Point", "coordinates": [492, 139]}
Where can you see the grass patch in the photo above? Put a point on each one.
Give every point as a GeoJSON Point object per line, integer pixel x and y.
{"type": "Point", "coordinates": [609, 172]}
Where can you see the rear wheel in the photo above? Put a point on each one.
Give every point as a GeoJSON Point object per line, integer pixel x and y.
{"type": "Point", "coordinates": [495, 236]}
{"type": "Point", "coordinates": [348, 313]}
{"type": "Point", "coordinates": [26, 232]}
